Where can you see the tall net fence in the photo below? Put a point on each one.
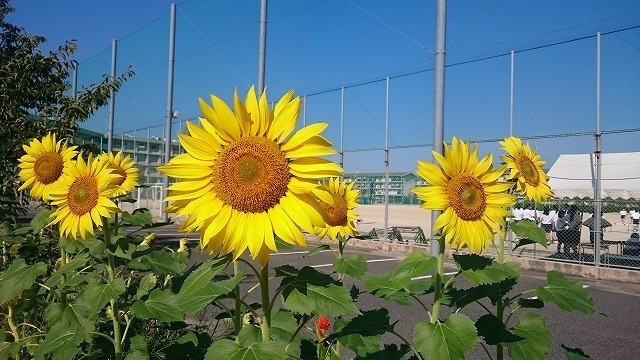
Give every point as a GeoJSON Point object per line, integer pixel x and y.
{"type": "Point", "coordinates": [558, 96]}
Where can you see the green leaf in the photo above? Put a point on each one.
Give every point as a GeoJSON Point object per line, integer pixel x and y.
{"type": "Point", "coordinates": [312, 292]}
{"type": "Point", "coordinates": [493, 273]}
{"type": "Point", "coordinates": [536, 339]}
{"type": "Point", "coordinates": [285, 270]}
{"type": "Point", "coordinates": [575, 353]}
{"type": "Point", "coordinates": [62, 341]}
{"type": "Point", "coordinates": [389, 352]}
{"type": "Point", "coordinates": [530, 303]}
{"type": "Point", "coordinates": [415, 264]}
{"type": "Point", "coordinates": [448, 340]}
{"type": "Point", "coordinates": [494, 331]}
{"type": "Point", "coordinates": [249, 335]}
{"type": "Point", "coordinates": [165, 262]}
{"type": "Point", "coordinates": [527, 229]}
{"type": "Point", "coordinates": [201, 277]}
{"type": "Point", "coordinates": [472, 261]}
{"type": "Point", "coordinates": [18, 278]}
{"type": "Point", "coordinates": [160, 305]}
{"type": "Point", "coordinates": [524, 242]}
{"type": "Point", "coordinates": [198, 300]}
{"type": "Point", "coordinates": [316, 250]}
{"type": "Point", "coordinates": [282, 245]}
{"type": "Point", "coordinates": [355, 266]}
{"type": "Point", "coordinates": [139, 217]}
{"type": "Point", "coordinates": [457, 299]}
{"type": "Point", "coordinates": [283, 325]}
{"type": "Point", "coordinates": [41, 220]}
{"type": "Point", "coordinates": [78, 261]}
{"type": "Point", "coordinates": [369, 323]}
{"type": "Point", "coordinates": [361, 345]}
{"type": "Point", "coordinates": [386, 287]}
{"type": "Point", "coordinates": [568, 295]}
{"type": "Point", "coordinates": [227, 349]}
{"type": "Point", "coordinates": [125, 248]}
{"type": "Point", "coordinates": [8, 350]}
{"type": "Point", "coordinates": [96, 296]}
{"type": "Point", "coordinates": [147, 284]}
{"type": "Point", "coordinates": [138, 350]}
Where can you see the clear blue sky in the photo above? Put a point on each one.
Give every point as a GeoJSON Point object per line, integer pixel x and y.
{"type": "Point", "coordinates": [316, 45]}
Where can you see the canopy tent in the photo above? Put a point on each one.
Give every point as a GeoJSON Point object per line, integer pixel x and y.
{"type": "Point", "coordinates": [573, 176]}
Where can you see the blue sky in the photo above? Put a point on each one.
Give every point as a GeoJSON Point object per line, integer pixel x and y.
{"type": "Point", "coordinates": [315, 46]}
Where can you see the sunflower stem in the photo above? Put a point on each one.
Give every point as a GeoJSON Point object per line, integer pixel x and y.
{"type": "Point", "coordinates": [437, 296]}
{"type": "Point", "coordinates": [63, 278]}
{"type": "Point", "coordinates": [265, 326]}
{"type": "Point", "coordinates": [237, 317]}
{"type": "Point", "coordinates": [111, 270]}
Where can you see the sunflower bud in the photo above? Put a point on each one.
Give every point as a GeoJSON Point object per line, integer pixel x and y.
{"type": "Point", "coordinates": [323, 324]}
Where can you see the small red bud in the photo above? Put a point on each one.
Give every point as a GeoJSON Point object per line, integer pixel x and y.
{"type": "Point", "coordinates": [323, 324]}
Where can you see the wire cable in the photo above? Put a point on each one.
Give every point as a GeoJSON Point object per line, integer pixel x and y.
{"type": "Point", "coordinates": [470, 26]}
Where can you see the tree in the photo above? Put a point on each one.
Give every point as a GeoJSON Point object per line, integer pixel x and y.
{"type": "Point", "coordinates": [35, 99]}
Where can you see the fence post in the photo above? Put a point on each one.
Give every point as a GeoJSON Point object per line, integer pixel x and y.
{"type": "Point", "coordinates": [511, 134]}
{"type": "Point", "coordinates": [342, 127]}
{"type": "Point", "coordinates": [167, 129]}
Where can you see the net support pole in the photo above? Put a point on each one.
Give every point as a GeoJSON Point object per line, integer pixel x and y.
{"type": "Point", "coordinates": [597, 211]}
{"type": "Point", "coordinates": [510, 236]}
{"type": "Point", "coordinates": [342, 127]}
{"type": "Point", "coordinates": [262, 47]}
{"type": "Point", "coordinates": [169, 114]}
{"type": "Point", "coordinates": [112, 96]}
{"type": "Point", "coordinates": [438, 106]}
{"type": "Point", "coordinates": [386, 164]}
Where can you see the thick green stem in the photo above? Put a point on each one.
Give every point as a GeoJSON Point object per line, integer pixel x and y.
{"type": "Point", "coordinates": [237, 316]}
{"type": "Point", "coordinates": [13, 327]}
{"type": "Point", "coordinates": [500, 314]}
{"type": "Point", "coordinates": [439, 290]}
{"type": "Point", "coordinates": [501, 251]}
{"type": "Point", "coordinates": [63, 278]}
{"type": "Point", "coordinates": [111, 270]}
{"type": "Point", "coordinates": [265, 326]}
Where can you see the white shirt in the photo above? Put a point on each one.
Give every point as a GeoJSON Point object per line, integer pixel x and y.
{"type": "Point", "coordinates": [554, 215]}
{"type": "Point", "coordinates": [547, 219]}
{"type": "Point", "coordinates": [623, 213]}
{"type": "Point", "coordinates": [529, 214]}
{"type": "Point", "coordinates": [636, 216]}
{"type": "Point", "coordinates": [517, 213]}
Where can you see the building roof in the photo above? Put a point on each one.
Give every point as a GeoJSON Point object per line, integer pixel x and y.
{"type": "Point", "coordinates": [378, 174]}
{"type": "Point", "coordinates": [573, 176]}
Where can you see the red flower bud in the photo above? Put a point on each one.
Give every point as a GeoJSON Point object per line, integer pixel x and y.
{"type": "Point", "coordinates": [322, 324]}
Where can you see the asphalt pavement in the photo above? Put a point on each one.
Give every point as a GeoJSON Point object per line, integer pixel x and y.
{"type": "Point", "coordinates": [611, 333]}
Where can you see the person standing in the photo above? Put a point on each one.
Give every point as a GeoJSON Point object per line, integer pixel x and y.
{"type": "Point", "coordinates": [554, 221]}
{"type": "Point", "coordinates": [636, 220]}
{"type": "Point", "coordinates": [546, 222]}
{"type": "Point", "coordinates": [623, 215]}
{"type": "Point", "coordinates": [517, 214]}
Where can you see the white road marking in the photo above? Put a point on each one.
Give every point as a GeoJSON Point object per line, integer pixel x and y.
{"type": "Point", "coordinates": [429, 276]}
{"type": "Point", "coordinates": [369, 261]}
{"type": "Point", "coordinates": [295, 252]}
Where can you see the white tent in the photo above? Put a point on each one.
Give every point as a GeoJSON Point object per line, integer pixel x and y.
{"type": "Point", "coordinates": [573, 176]}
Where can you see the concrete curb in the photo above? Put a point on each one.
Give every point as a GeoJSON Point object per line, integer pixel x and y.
{"type": "Point", "coordinates": [537, 265]}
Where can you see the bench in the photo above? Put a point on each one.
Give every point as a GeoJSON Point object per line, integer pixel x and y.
{"type": "Point", "coordinates": [399, 233]}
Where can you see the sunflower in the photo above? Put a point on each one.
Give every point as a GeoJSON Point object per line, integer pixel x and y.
{"type": "Point", "coordinates": [125, 168]}
{"type": "Point", "coordinates": [467, 190]}
{"type": "Point", "coordinates": [247, 176]}
{"type": "Point", "coordinates": [526, 167]}
{"type": "Point", "coordinates": [341, 215]}
{"type": "Point", "coordinates": [83, 197]}
{"type": "Point", "coordinates": [42, 165]}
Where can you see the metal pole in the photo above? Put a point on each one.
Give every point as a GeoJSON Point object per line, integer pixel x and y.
{"type": "Point", "coordinates": [597, 213]}
{"type": "Point", "coordinates": [74, 86]}
{"type": "Point", "coordinates": [180, 145]}
{"type": "Point", "coordinates": [122, 143]}
{"type": "Point", "coordinates": [135, 147]}
{"type": "Point", "coordinates": [167, 128]}
{"type": "Point", "coordinates": [438, 106]}
{"type": "Point", "coordinates": [304, 111]}
{"type": "Point", "coordinates": [342, 127]}
{"type": "Point", "coordinates": [386, 165]}
{"type": "Point", "coordinates": [511, 134]}
{"type": "Point", "coordinates": [112, 101]}
{"type": "Point", "coordinates": [262, 47]}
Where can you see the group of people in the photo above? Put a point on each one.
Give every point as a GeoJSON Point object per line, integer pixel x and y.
{"type": "Point", "coordinates": [633, 215]}
{"type": "Point", "coordinates": [562, 226]}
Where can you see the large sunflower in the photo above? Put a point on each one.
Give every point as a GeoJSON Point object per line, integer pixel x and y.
{"type": "Point", "coordinates": [125, 168]}
{"type": "Point", "coordinates": [467, 190]}
{"type": "Point", "coordinates": [42, 165]}
{"type": "Point", "coordinates": [526, 167]}
{"type": "Point", "coordinates": [246, 175]}
{"type": "Point", "coordinates": [83, 196]}
{"type": "Point", "coordinates": [341, 215]}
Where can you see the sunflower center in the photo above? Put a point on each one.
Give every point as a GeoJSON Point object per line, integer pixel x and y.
{"type": "Point", "coordinates": [338, 212]}
{"type": "Point", "coordinates": [122, 175]}
{"type": "Point", "coordinates": [83, 195]}
{"type": "Point", "coordinates": [251, 174]}
{"type": "Point", "coordinates": [48, 167]}
{"type": "Point", "coordinates": [467, 197]}
{"type": "Point", "coordinates": [529, 171]}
